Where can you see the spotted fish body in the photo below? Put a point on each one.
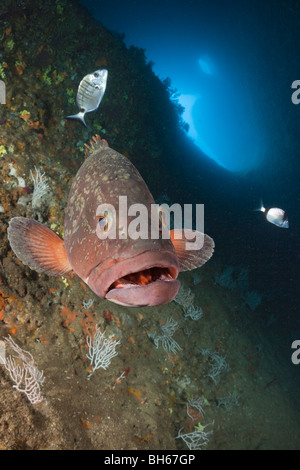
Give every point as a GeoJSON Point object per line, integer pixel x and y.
{"type": "Point", "coordinates": [90, 93]}
{"type": "Point", "coordinates": [103, 177]}
{"type": "Point", "coordinates": [125, 271]}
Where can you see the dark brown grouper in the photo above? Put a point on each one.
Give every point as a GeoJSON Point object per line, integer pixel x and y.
{"type": "Point", "coordinates": [126, 271]}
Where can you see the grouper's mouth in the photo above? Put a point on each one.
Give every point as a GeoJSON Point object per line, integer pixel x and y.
{"type": "Point", "coordinates": [147, 279]}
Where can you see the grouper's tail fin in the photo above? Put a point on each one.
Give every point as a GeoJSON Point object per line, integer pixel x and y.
{"type": "Point", "coordinates": [79, 117]}
{"type": "Point", "coordinates": [95, 143]}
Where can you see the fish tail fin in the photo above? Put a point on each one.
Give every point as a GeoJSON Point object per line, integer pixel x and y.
{"type": "Point", "coordinates": [38, 247]}
{"type": "Point", "coordinates": [95, 142]}
{"type": "Point", "coordinates": [79, 117]}
{"type": "Point", "coordinates": [261, 208]}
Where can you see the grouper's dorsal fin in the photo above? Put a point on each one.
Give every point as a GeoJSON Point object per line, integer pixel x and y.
{"type": "Point", "coordinates": [38, 246]}
{"type": "Point", "coordinates": [95, 143]}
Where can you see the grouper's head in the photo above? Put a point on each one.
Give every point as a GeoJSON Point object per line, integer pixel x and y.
{"type": "Point", "coordinates": [119, 267]}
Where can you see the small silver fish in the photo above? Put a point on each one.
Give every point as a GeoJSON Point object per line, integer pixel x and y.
{"type": "Point", "coordinates": [275, 216]}
{"type": "Point", "coordinates": [90, 93]}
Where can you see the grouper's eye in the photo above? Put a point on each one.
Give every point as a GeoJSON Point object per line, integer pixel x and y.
{"type": "Point", "coordinates": [104, 221]}
{"type": "Point", "coordinates": [164, 217]}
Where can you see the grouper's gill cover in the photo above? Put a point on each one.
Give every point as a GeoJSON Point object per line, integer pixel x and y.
{"type": "Point", "coordinates": [125, 271]}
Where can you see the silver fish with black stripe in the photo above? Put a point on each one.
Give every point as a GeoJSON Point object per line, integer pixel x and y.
{"type": "Point", "coordinates": [90, 93]}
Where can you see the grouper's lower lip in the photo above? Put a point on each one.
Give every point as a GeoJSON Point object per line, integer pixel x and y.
{"type": "Point", "coordinates": [147, 279]}
{"type": "Point", "coordinates": [156, 293]}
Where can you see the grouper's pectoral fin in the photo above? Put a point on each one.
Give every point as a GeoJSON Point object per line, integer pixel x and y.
{"type": "Point", "coordinates": [192, 248]}
{"type": "Point", "coordinates": [38, 246]}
